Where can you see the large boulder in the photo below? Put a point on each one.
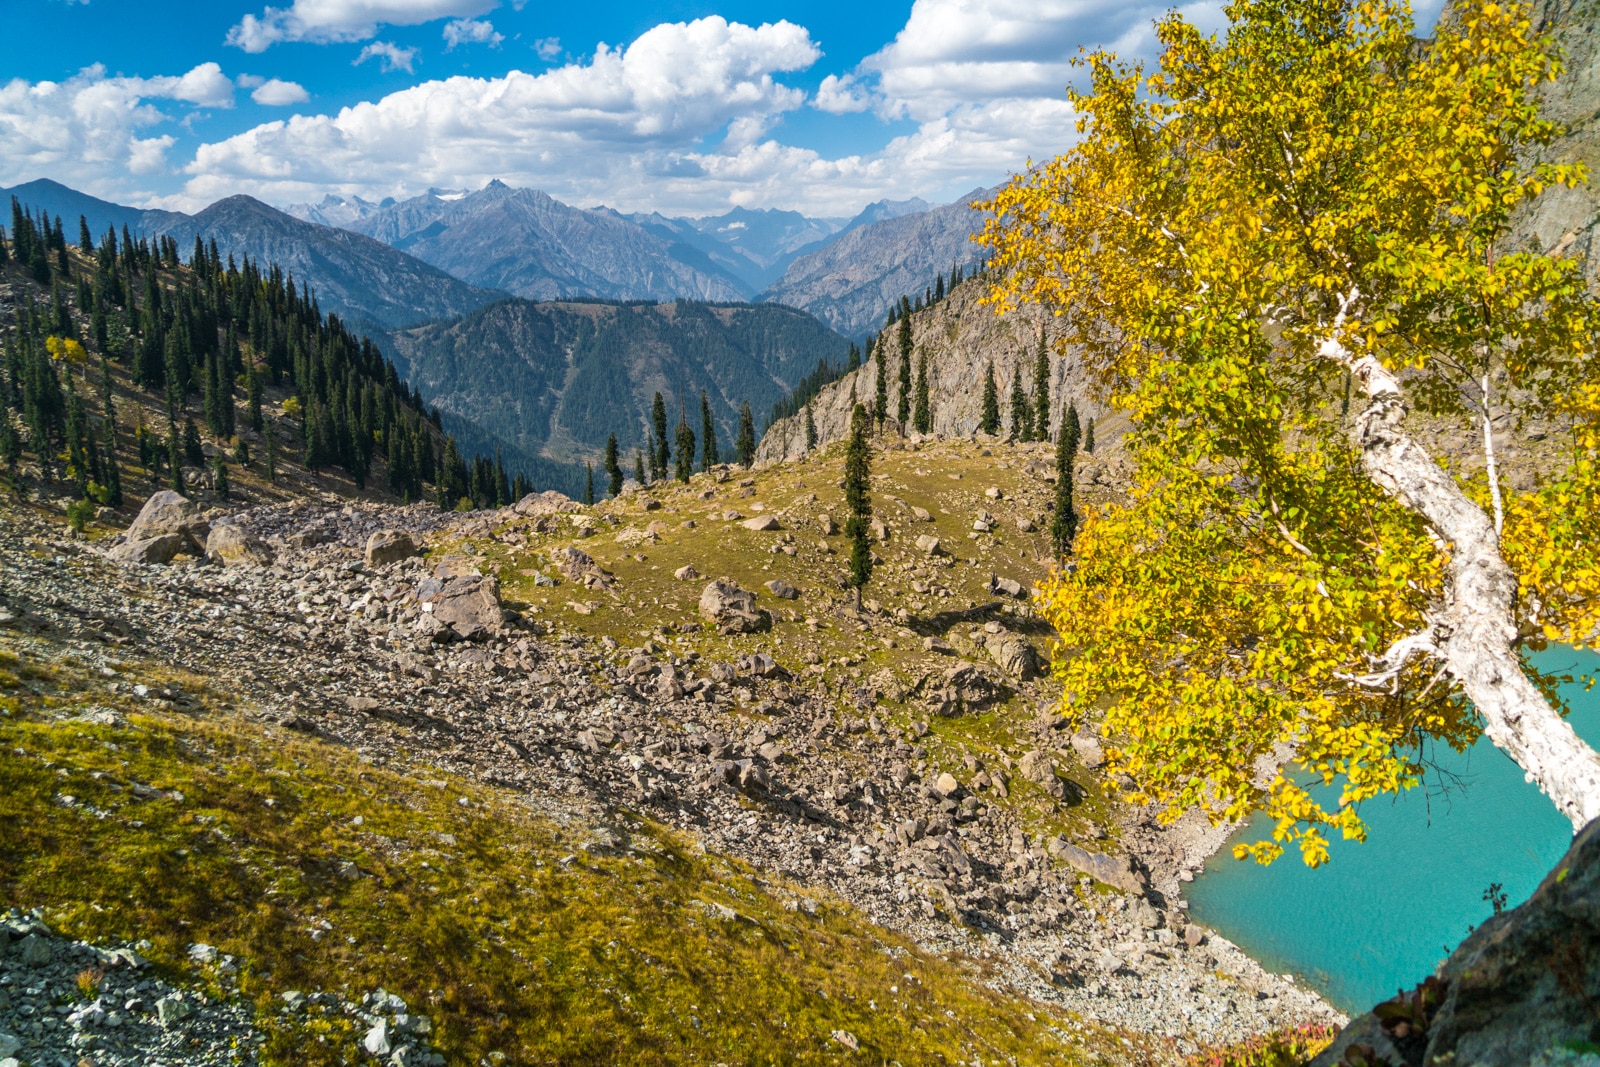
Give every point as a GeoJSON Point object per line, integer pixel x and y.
{"type": "Point", "coordinates": [1012, 654]}
{"type": "Point", "coordinates": [548, 502]}
{"type": "Point", "coordinates": [963, 687]}
{"type": "Point", "coordinates": [160, 549]}
{"type": "Point", "coordinates": [1039, 767]}
{"type": "Point", "coordinates": [1522, 988]}
{"type": "Point", "coordinates": [468, 606]}
{"type": "Point", "coordinates": [390, 546]}
{"type": "Point", "coordinates": [1115, 871]}
{"type": "Point", "coordinates": [232, 547]}
{"type": "Point", "coordinates": [166, 514]}
{"type": "Point", "coordinates": [731, 609]}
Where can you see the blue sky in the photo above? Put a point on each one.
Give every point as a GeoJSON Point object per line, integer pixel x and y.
{"type": "Point", "coordinates": [684, 106]}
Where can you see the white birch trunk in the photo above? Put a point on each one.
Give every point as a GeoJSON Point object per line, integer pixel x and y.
{"type": "Point", "coordinates": [1475, 635]}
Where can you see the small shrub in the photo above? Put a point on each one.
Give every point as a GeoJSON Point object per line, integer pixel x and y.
{"type": "Point", "coordinates": [79, 512]}
{"type": "Point", "coordinates": [89, 980]}
{"type": "Point", "coordinates": [1283, 1048]}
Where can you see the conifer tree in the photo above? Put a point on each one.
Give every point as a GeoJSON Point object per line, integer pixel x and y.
{"type": "Point", "coordinates": [903, 409]}
{"type": "Point", "coordinates": [658, 419]}
{"type": "Point", "coordinates": [852, 361]}
{"type": "Point", "coordinates": [1072, 428]}
{"type": "Point", "coordinates": [922, 410]}
{"type": "Point", "coordinates": [253, 398]}
{"type": "Point", "coordinates": [1041, 392]}
{"type": "Point", "coordinates": [880, 396]}
{"type": "Point", "coordinates": [685, 443]}
{"type": "Point", "coordinates": [108, 436]}
{"type": "Point", "coordinates": [638, 468]}
{"type": "Point", "coordinates": [193, 452]}
{"type": "Point", "coordinates": [1021, 410]}
{"type": "Point", "coordinates": [613, 467]}
{"type": "Point", "coordinates": [708, 434]}
{"type": "Point", "coordinates": [241, 454]}
{"type": "Point", "coordinates": [588, 484]}
{"type": "Point", "coordinates": [858, 501]}
{"type": "Point", "coordinates": [747, 435]}
{"type": "Point", "coordinates": [1088, 437]}
{"type": "Point", "coordinates": [1064, 521]}
{"type": "Point", "coordinates": [219, 475]}
{"type": "Point", "coordinates": [175, 456]}
{"type": "Point", "coordinates": [811, 430]}
{"type": "Point", "coordinates": [11, 453]}
{"type": "Point", "coordinates": [989, 418]}
{"type": "Point", "coordinates": [85, 241]}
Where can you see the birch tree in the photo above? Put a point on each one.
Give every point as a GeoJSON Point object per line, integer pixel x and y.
{"type": "Point", "coordinates": [1284, 254]}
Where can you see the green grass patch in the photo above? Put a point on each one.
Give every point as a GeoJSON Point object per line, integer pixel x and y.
{"type": "Point", "coordinates": [319, 871]}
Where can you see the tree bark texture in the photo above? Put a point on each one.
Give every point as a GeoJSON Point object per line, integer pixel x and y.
{"type": "Point", "coordinates": [1475, 634]}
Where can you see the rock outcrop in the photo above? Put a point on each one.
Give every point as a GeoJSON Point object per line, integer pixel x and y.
{"type": "Point", "coordinates": [732, 610]}
{"type": "Point", "coordinates": [168, 524]}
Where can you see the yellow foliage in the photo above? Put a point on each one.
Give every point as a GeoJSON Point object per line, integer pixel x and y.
{"type": "Point", "coordinates": [1310, 179]}
{"type": "Point", "coordinates": [65, 350]}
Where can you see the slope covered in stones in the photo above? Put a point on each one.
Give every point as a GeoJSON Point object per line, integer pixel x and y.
{"type": "Point", "coordinates": [886, 781]}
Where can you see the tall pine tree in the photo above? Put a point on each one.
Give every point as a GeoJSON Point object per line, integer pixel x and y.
{"type": "Point", "coordinates": [922, 410]}
{"type": "Point", "coordinates": [903, 409]}
{"type": "Point", "coordinates": [1064, 520]}
{"type": "Point", "coordinates": [1041, 392]}
{"type": "Point", "coordinates": [989, 417]}
{"type": "Point", "coordinates": [658, 420]}
{"type": "Point", "coordinates": [613, 467]}
{"type": "Point", "coordinates": [685, 443]}
{"type": "Point", "coordinates": [858, 501]}
{"type": "Point", "coordinates": [1021, 410]}
{"type": "Point", "coordinates": [708, 434]}
{"type": "Point", "coordinates": [747, 436]}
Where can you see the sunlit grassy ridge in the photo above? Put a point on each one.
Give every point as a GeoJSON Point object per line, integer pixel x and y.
{"type": "Point", "coordinates": [322, 872]}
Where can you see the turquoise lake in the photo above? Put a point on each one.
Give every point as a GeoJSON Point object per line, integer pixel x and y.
{"type": "Point", "coordinates": [1380, 915]}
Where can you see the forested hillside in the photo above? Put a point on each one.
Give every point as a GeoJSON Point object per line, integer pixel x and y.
{"type": "Point", "coordinates": [559, 378]}
{"type": "Point", "coordinates": [126, 369]}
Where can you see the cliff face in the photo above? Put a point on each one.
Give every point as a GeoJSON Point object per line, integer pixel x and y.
{"type": "Point", "coordinates": [1566, 219]}
{"type": "Point", "coordinates": [961, 337]}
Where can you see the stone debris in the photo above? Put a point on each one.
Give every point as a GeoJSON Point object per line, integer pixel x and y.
{"type": "Point", "coordinates": [782, 589]}
{"type": "Point", "coordinates": [753, 757]}
{"type": "Point", "coordinates": [731, 609]}
{"type": "Point", "coordinates": [389, 546]}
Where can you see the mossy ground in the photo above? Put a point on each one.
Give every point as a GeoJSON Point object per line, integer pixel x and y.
{"type": "Point", "coordinates": [319, 871]}
{"type": "Point", "coordinates": [820, 638]}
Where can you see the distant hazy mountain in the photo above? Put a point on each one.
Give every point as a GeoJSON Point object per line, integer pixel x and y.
{"type": "Point", "coordinates": [555, 379]}
{"type": "Point", "coordinates": [354, 276]}
{"type": "Point", "coordinates": [57, 199]}
{"type": "Point", "coordinates": [527, 243]}
{"type": "Point", "coordinates": [755, 246]}
{"type": "Point", "coordinates": [851, 281]}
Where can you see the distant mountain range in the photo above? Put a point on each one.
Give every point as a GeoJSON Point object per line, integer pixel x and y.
{"type": "Point", "coordinates": [555, 378]}
{"type": "Point", "coordinates": [851, 282]}
{"type": "Point", "coordinates": [527, 243]}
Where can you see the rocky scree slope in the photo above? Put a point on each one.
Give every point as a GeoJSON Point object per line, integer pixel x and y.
{"type": "Point", "coordinates": [898, 759]}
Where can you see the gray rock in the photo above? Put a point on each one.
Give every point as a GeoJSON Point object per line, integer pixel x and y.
{"type": "Point", "coordinates": [1115, 871]}
{"type": "Point", "coordinates": [168, 512]}
{"type": "Point", "coordinates": [1087, 746]}
{"type": "Point", "coordinates": [9, 1044]}
{"type": "Point", "coordinates": [469, 606]}
{"type": "Point", "coordinates": [377, 1040]}
{"type": "Point", "coordinates": [1007, 586]}
{"type": "Point", "coordinates": [686, 573]}
{"type": "Point", "coordinates": [731, 609]}
{"type": "Point", "coordinates": [1040, 768]}
{"type": "Point", "coordinates": [782, 589]}
{"type": "Point", "coordinates": [231, 546]}
{"type": "Point", "coordinates": [929, 545]}
{"type": "Point", "coordinates": [389, 546]}
{"type": "Point", "coordinates": [150, 550]}
{"type": "Point", "coordinates": [170, 1011]}
{"type": "Point", "coordinates": [1013, 655]}
{"type": "Point", "coordinates": [762, 523]}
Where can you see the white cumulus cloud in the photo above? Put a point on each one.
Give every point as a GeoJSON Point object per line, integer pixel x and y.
{"type": "Point", "coordinates": [93, 131]}
{"type": "Point", "coordinates": [839, 96]}
{"type": "Point", "coordinates": [470, 31]}
{"type": "Point", "coordinates": [548, 48]}
{"type": "Point", "coordinates": [277, 93]}
{"type": "Point", "coordinates": [392, 55]}
{"type": "Point", "coordinates": [626, 115]}
{"type": "Point", "coordinates": [326, 21]}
